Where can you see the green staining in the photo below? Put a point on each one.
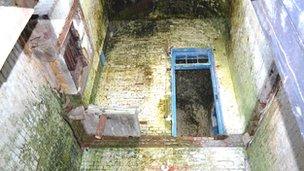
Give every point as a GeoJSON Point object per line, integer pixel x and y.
{"type": "Point", "coordinates": [49, 141]}
{"type": "Point", "coordinates": [158, 158]}
{"type": "Point", "coordinates": [164, 9]}
{"type": "Point", "coordinates": [164, 107]}
{"type": "Point", "coordinates": [95, 15]}
{"type": "Point", "coordinates": [191, 9]}
{"type": "Point", "coordinates": [260, 153]}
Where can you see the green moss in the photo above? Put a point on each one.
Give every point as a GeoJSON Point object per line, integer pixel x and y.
{"type": "Point", "coordinates": [259, 153]}
{"type": "Point", "coordinates": [94, 13]}
{"type": "Point", "coordinates": [50, 140]}
{"type": "Point", "coordinates": [242, 66]}
{"type": "Point", "coordinates": [148, 73]}
{"type": "Point", "coordinates": [164, 9]}
{"type": "Point", "coordinates": [164, 106]}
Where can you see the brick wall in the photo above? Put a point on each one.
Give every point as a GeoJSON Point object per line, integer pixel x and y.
{"type": "Point", "coordinates": [250, 56]}
{"type": "Point", "coordinates": [164, 9]}
{"type": "Point", "coordinates": [33, 133]}
{"type": "Point", "coordinates": [137, 73]}
{"type": "Point", "coordinates": [277, 144]}
{"type": "Point", "coordinates": [96, 20]}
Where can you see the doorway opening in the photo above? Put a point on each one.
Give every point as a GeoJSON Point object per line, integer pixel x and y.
{"type": "Point", "coordinates": [196, 109]}
{"type": "Point", "coordinates": [194, 103]}
{"type": "Point", "coordinates": [74, 57]}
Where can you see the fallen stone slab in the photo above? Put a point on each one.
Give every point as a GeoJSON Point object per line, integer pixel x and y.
{"type": "Point", "coordinates": [77, 113]}
{"type": "Point", "coordinates": [113, 122]}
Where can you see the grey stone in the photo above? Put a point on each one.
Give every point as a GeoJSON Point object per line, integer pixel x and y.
{"type": "Point", "coordinates": [120, 122]}
{"type": "Point", "coordinates": [77, 113]}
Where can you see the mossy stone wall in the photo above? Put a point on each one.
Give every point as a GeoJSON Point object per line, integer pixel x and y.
{"type": "Point", "coordinates": [164, 9]}
{"type": "Point", "coordinates": [250, 56]}
{"type": "Point", "coordinates": [34, 135]}
{"type": "Point", "coordinates": [96, 19]}
{"type": "Point", "coordinates": [278, 144]}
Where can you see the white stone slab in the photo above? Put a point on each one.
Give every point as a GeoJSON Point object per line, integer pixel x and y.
{"type": "Point", "coordinates": [13, 20]}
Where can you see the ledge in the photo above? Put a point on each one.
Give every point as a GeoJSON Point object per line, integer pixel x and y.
{"type": "Point", "coordinates": [13, 20]}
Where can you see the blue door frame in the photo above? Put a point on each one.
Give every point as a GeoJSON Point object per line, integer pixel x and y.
{"type": "Point", "coordinates": [185, 54]}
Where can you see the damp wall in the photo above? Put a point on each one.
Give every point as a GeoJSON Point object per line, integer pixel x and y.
{"type": "Point", "coordinates": [277, 142]}
{"type": "Point", "coordinates": [97, 22]}
{"type": "Point", "coordinates": [250, 56]}
{"type": "Point", "coordinates": [34, 135]}
{"type": "Point", "coordinates": [165, 9]}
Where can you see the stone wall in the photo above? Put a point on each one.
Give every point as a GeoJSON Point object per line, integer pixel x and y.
{"type": "Point", "coordinates": [164, 158]}
{"type": "Point", "coordinates": [164, 9]}
{"type": "Point", "coordinates": [34, 136]}
{"type": "Point", "coordinates": [277, 144]}
{"type": "Point", "coordinates": [96, 20]}
{"type": "Point", "coordinates": [250, 56]}
{"type": "Point", "coordinates": [137, 73]}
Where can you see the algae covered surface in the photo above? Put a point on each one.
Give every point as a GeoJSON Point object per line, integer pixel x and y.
{"type": "Point", "coordinates": [97, 23]}
{"type": "Point", "coordinates": [137, 73]}
{"type": "Point", "coordinates": [164, 9]}
{"type": "Point", "coordinates": [218, 158]}
{"type": "Point", "coordinates": [43, 139]}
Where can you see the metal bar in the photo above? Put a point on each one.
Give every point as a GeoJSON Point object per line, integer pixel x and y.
{"type": "Point", "coordinates": [189, 50]}
{"type": "Point", "coordinates": [194, 66]}
{"type": "Point", "coordinates": [218, 109]}
{"type": "Point", "coordinates": [193, 55]}
{"type": "Point", "coordinates": [173, 94]}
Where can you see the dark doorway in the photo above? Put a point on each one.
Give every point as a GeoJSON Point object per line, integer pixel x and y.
{"type": "Point", "coordinates": [74, 57]}
{"type": "Point", "coordinates": [194, 103]}
{"type": "Point", "coordinates": [196, 108]}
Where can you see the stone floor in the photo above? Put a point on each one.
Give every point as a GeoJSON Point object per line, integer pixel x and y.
{"type": "Point", "coordinates": [211, 158]}
{"type": "Point", "coordinates": [137, 73]}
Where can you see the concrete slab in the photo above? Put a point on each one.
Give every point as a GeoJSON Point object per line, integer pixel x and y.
{"type": "Point", "coordinates": [100, 122]}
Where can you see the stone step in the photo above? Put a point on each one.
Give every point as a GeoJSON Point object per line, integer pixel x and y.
{"type": "Point", "coordinates": [212, 158]}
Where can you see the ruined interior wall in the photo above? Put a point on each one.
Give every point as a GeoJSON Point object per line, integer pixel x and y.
{"type": "Point", "coordinates": [277, 144]}
{"type": "Point", "coordinates": [164, 9]}
{"type": "Point", "coordinates": [250, 56]}
{"type": "Point", "coordinates": [137, 73]}
{"type": "Point", "coordinates": [96, 20]}
{"type": "Point", "coordinates": [33, 134]}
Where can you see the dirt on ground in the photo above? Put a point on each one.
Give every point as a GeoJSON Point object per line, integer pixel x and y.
{"type": "Point", "coordinates": [194, 103]}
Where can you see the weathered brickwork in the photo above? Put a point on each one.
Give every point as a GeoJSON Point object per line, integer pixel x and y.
{"type": "Point", "coordinates": [250, 56]}
{"type": "Point", "coordinates": [277, 144]}
{"type": "Point", "coordinates": [162, 9]}
{"type": "Point", "coordinates": [137, 73]}
{"type": "Point", "coordinates": [164, 159]}
{"type": "Point", "coordinates": [96, 19]}
{"type": "Point", "coordinates": [164, 141]}
{"type": "Point", "coordinates": [33, 133]}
